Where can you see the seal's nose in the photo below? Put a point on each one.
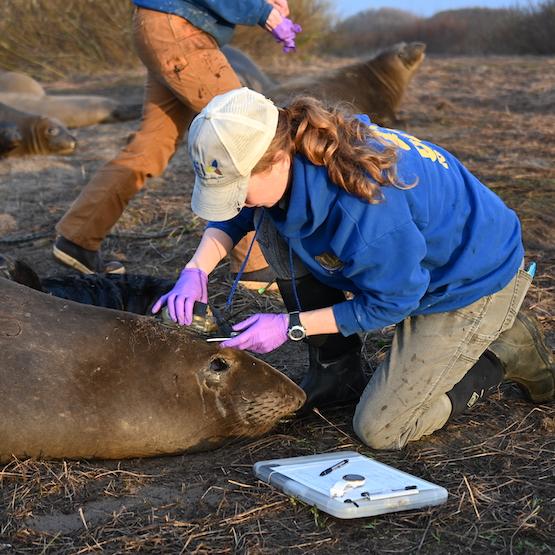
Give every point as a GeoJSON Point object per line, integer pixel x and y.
{"type": "Point", "coordinates": [295, 397]}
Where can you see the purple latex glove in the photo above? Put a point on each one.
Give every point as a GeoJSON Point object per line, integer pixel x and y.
{"type": "Point", "coordinates": [262, 333]}
{"type": "Point", "coordinates": [191, 286]}
{"type": "Point", "coordinates": [285, 33]}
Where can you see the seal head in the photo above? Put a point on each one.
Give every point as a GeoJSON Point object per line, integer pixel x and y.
{"type": "Point", "coordinates": [374, 87]}
{"type": "Point", "coordinates": [50, 136]}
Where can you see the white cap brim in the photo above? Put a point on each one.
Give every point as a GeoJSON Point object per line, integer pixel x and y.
{"type": "Point", "coordinates": [217, 204]}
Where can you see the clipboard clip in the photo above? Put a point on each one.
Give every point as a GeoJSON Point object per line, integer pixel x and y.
{"type": "Point", "coordinates": [386, 494]}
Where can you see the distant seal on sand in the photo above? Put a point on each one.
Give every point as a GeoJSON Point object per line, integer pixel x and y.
{"type": "Point", "coordinates": [247, 70]}
{"type": "Point", "coordinates": [73, 110]}
{"type": "Point", "coordinates": [10, 137]}
{"type": "Point", "coordinates": [15, 82]}
{"type": "Point", "coordinates": [375, 86]}
{"type": "Point", "coordinates": [33, 134]}
{"type": "Point", "coordinates": [77, 381]}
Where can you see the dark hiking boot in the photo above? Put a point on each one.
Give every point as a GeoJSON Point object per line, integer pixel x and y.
{"type": "Point", "coordinates": [340, 380]}
{"type": "Point", "coordinates": [526, 359]}
{"type": "Point", "coordinates": [84, 260]}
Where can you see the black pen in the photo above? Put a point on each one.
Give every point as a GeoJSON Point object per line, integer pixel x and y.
{"type": "Point", "coordinates": [334, 467]}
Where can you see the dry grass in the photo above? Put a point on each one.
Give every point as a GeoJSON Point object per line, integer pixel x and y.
{"type": "Point", "coordinates": [51, 39]}
{"type": "Point", "coordinates": [496, 462]}
{"type": "Point", "coordinates": [55, 39]}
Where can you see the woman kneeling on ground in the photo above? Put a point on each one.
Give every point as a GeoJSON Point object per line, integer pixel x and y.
{"type": "Point", "coordinates": [339, 204]}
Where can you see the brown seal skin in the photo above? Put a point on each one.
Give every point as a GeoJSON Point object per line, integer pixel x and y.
{"type": "Point", "coordinates": [78, 381]}
{"type": "Point", "coordinates": [16, 82]}
{"type": "Point", "coordinates": [73, 110]}
{"type": "Point", "coordinates": [374, 87]}
{"type": "Point", "coordinates": [39, 134]}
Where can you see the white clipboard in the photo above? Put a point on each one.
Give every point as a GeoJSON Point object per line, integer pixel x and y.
{"type": "Point", "coordinates": [385, 488]}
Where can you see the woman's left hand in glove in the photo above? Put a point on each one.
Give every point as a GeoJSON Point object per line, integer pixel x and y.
{"type": "Point", "coordinates": [261, 333]}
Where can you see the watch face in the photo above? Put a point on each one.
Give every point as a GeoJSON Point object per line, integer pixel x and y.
{"type": "Point", "coordinates": [296, 333]}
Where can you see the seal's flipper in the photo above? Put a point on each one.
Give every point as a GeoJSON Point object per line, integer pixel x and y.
{"type": "Point", "coordinates": [19, 271]}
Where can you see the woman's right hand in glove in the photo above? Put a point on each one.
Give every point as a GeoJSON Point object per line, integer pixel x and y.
{"type": "Point", "coordinates": [191, 286]}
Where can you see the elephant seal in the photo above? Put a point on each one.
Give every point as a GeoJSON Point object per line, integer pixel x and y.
{"type": "Point", "coordinates": [73, 110]}
{"type": "Point", "coordinates": [249, 73]}
{"type": "Point", "coordinates": [375, 86]}
{"type": "Point", "coordinates": [78, 381]}
{"type": "Point", "coordinates": [35, 134]}
{"type": "Point", "coordinates": [16, 82]}
{"type": "Point", "coordinates": [10, 138]}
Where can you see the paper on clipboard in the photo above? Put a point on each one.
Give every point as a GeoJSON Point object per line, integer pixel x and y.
{"type": "Point", "coordinates": [381, 480]}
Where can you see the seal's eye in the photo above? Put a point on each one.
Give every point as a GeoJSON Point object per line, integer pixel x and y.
{"type": "Point", "coordinates": [219, 364]}
{"type": "Point", "coordinates": [53, 131]}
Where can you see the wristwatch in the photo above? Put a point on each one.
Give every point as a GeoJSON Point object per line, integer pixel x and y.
{"type": "Point", "coordinates": [295, 331]}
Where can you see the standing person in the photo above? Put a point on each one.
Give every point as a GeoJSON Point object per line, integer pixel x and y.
{"type": "Point", "coordinates": [340, 205]}
{"type": "Point", "coordinates": [179, 43]}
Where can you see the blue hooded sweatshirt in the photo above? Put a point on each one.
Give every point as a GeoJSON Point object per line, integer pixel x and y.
{"type": "Point", "coordinates": [436, 247]}
{"type": "Point", "coordinates": [216, 17]}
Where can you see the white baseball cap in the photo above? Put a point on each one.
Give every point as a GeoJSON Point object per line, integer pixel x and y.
{"type": "Point", "coordinates": [226, 141]}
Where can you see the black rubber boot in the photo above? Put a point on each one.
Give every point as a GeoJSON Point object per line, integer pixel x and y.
{"type": "Point", "coordinates": [525, 358]}
{"type": "Point", "coordinates": [485, 374]}
{"type": "Point", "coordinates": [333, 381]}
{"type": "Point", "coordinates": [335, 374]}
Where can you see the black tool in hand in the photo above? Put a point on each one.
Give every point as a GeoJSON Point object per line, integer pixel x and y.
{"type": "Point", "coordinates": [200, 308]}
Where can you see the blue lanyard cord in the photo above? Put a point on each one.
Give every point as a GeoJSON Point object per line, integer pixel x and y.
{"type": "Point", "coordinates": [242, 268]}
{"type": "Point", "coordinates": [293, 281]}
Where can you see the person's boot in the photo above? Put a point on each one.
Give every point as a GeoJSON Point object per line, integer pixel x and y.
{"type": "Point", "coordinates": [333, 381]}
{"type": "Point", "coordinates": [83, 260]}
{"type": "Point", "coordinates": [335, 373]}
{"type": "Point", "coordinates": [519, 355]}
{"type": "Point", "coordinates": [525, 358]}
{"type": "Point", "coordinates": [486, 373]}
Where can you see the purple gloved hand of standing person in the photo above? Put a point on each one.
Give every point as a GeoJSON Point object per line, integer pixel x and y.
{"type": "Point", "coordinates": [191, 286]}
{"type": "Point", "coordinates": [285, 33]}
{"type": "Point", "coordinates": [261, 333]}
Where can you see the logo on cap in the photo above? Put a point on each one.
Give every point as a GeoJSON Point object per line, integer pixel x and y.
{"type": "Point", "coordinates": [205, 171]}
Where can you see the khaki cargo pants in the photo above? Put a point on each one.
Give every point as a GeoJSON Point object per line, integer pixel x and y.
{"type": "Point", "coordinates": [186, 69]}
{"type": "Point", "coordinates": [406, 397]}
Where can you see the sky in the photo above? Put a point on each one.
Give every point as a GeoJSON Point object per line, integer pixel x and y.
{"type": "Point", "coordinates": [345, 8]}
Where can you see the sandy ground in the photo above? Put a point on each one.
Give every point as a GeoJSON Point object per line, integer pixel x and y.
{"type": "Point", "coordinates": [498, 116]}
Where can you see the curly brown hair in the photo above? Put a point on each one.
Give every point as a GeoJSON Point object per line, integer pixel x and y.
{"type": "Point", "coordinates": [334, 138]}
